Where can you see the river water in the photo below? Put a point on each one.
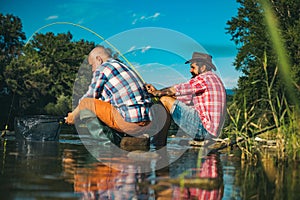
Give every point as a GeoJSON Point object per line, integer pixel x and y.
{"type": "Point", "coordinates": [67, 170]}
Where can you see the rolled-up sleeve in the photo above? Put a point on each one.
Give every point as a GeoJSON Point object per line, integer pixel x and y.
{"type": "Point", "coordinates": [183, 89]}
{"type": "Point", "coordinates": [184, 93]}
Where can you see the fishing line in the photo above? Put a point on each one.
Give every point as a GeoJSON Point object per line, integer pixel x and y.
{"type": "Point", "coordinates": [96, 34]}
{"type": "Point", "coordinates": [93, 32]}
{"type": "Point", "coordinates": [84, 28]}
{"type": "Point", "coordinates": [3, 157]}
{"type": "Point", "coordinates": [9, 114]}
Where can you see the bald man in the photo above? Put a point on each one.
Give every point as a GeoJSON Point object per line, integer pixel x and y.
{"type": "Point", "coordinates": [119, 99]}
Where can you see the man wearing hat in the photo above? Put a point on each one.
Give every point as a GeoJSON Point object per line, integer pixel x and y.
{"type": "Point", "coordinates": [197, 106]}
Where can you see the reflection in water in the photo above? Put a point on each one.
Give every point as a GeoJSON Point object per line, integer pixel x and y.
{"type": "Point", "coordinates": [31, 170]}
{"type": "Point", "coordinates": [204, 181]}
{"type": "Point", "coordinates": [182, 179]}
{"type": "Point", "coordinates": [210, 173]}
{"type": "Point", "coordinates": [30, 156]}
{"type": "Point", "coordinates": [66, 170]}
{"type": "Point", "coordinates": [101, 181]}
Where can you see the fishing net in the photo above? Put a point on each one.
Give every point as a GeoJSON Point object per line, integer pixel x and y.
{"type": "Point", "coordinates": [38, 127]}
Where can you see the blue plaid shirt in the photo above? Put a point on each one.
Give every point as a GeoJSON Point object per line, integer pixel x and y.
{"type": "Point", "coordinates": [119, 85]}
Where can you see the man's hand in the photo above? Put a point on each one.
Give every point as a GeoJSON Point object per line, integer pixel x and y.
{"type": "Point", "coordinates": [70, 118]}
{"type": "Point", "coordinates": [150, 89]}
{"type": "Point", "coordinates": [169, 91]}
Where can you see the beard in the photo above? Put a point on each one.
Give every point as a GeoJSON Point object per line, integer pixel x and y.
{"type": "Point", "coordinates": [193, 74]}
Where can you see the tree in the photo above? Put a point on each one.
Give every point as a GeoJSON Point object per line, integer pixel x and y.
{"type": "Point", "coordinates": [44, 74]}
{"type": "Point", "coordinates": [256, 58]}
{"type": "Point", "coordinates": [11, 41]}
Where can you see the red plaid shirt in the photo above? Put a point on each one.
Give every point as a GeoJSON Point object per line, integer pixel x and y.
{"type": "Point", "coordinates": [210, 169]}
{"type": "Point", "coordinates": [206, 94]}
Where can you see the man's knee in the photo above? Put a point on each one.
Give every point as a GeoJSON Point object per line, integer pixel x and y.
{"type": "Point", "coordinates": [167, 102]}
{"type": "Point", "coordinates": [87, 103]}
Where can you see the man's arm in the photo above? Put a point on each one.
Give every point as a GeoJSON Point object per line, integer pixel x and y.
{"type": "Point", "coordinates": [169, 91]}
{"type": "Point", "coordinates": [70, 119]}
{"type": "Point", "coordinates": [95, 86]}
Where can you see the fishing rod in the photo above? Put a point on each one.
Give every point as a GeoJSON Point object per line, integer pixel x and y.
{"type": "Point", "coordinates": [9, 114]}
{"type": "Point", "coordinates": [84, 28]}
{"type": "Point", "coordinates": [96, 34]}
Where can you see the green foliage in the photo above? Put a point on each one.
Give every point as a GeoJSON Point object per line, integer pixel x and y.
{"type": "Point", "coordinates": [46, 71]}
{"type": "Point", "coordinates": [61, 107]}
{"type": "Point", "coordinates": [250, 33]}
{"type": "Point", "coordinates": [28, 78]}
{"type": "Point", "coordinates": [267, 35]}
{"type": "Point", "coordinates": [281, 114]}
{"type": "Point", "coordinates": [11, 41]}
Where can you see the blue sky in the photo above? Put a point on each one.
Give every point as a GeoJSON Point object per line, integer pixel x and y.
{"type": "Point", "coordinates": [156, 36]}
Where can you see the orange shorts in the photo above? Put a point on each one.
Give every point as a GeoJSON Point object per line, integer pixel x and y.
{"type": "Point", "coordinates": [109, 115]}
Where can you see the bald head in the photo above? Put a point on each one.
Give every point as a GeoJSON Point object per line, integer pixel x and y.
{"type": "Point", "coordinates": [100, 50]}
{"type": "Point", "coordinates": [98, 56]}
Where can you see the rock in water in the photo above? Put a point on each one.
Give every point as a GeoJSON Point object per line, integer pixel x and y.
{"type": "Point", "coordinates": [135, 143]}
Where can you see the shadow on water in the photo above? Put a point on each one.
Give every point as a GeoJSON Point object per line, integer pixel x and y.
{"type": "Point", "coordinates": [66, 170]}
